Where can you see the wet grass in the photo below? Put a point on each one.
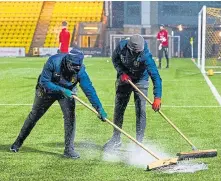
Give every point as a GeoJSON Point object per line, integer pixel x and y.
{"type": "Point", "coordinates": [187, 100]}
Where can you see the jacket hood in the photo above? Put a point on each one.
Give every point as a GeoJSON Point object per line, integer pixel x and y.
{"type": "Point", "coordinates": [75, 56]}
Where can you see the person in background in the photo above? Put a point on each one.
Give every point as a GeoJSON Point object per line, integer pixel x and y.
{"type": "Point", "coordinates": [64, 38]}
{"type": "Point", "coordinates": [162, 37]}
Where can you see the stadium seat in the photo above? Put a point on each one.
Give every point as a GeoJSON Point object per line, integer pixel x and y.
{"type": "Point", "coordinates": [19, 14]}
{"type": "Point", "coordinates": [73, 13]}
{"type": "Point", "coordinates": [18, 20]}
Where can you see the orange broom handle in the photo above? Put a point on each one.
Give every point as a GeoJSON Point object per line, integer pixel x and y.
{"type": "Point", "coordinates": [163, 115]}
{"type": "Point", "coordinates": [119, 129]}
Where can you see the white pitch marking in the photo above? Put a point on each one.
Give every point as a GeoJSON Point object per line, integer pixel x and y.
{"type": "Point", "coordinates": [211, 86]}
{"type": "Point", "coordinates": [130, 105]}
{"type": "Point", "coordinates": [162, 80]}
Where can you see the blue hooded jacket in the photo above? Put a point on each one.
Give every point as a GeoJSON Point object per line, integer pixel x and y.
{"type": "Point", "coordinates": [139, 69]}
{"type": "Point", "coordinates": [52, 84]}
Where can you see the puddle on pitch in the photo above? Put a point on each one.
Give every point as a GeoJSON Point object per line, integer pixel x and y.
{"type": "Point", "coordinates": [133, 155]}
{"type": "Point", "coordinates": [184, 167]}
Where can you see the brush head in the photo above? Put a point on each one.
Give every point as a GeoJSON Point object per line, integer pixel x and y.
{"type": "Point", "coordinates": [197, 154]}
{"type": "Point", "coordinates": [162, 163]}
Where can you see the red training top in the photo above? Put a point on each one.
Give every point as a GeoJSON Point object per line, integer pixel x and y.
{"type": "Point", "coordinates": [64, 39]}
{"type": "Point", "coordinates": [163, 37]}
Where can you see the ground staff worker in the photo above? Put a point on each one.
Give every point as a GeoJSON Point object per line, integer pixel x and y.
{"type": "Point", "coordinates": [57, 81]}
{"type": "Point", "coordinates": [133, 61]}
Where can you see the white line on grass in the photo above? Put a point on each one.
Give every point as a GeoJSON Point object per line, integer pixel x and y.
{"type": "Point", "coordinates": [130, 105]}
{"type": "Point", "coordinates": [211, 86]}
{"type": "Point", "coordinates": [180, 80]}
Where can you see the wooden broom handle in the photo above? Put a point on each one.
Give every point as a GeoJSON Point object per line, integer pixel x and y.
{"type": "Point", "coordinates": [162, 114]}
{"type": "Point", "coordinates": [119, 129]}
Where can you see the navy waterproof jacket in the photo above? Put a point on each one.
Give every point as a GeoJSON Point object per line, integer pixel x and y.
{"type": "Point", "coordinates": [139, 69]}
{"type": "Point", "coordinates": [52, 68]}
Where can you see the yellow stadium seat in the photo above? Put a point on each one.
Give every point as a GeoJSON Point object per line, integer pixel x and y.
{"type": "Point", "coordinates": [19, 21]}
{"type": "Point", "coordinates": [72, 12]}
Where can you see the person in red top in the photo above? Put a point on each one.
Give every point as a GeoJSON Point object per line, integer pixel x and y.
{"type": "Point", "coordinates": [64, 38]}
{"type": "Point", "coordinates": [162, 37]}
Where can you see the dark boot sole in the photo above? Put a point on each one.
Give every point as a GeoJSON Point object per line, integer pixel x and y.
{"type": "Point", "coordinates": [71, 157]}
{"type": "Point", "coordinates": [115, 147]}
{"type": "Point", "coordinates": [14, 150]}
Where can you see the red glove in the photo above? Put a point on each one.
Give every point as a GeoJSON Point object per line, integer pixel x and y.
{"type": "Point", "coordinates": [124, 77]}
{"type": "Point", "coordinates": [156, 104]}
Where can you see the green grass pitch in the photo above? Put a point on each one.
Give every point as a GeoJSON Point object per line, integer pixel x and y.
{"type": "Point", "coordinates": [187, 100]}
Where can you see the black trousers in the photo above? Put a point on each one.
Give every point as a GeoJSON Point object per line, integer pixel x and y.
{"type": "Point", "coordinates": [41, 104]}
{"type": "Point", "coordinates": [123, 92]}
{"type": "Point", "coordinates": [165, 51]}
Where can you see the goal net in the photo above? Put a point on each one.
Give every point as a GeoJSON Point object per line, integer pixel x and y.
{"type": "Point", "coordinates": [209, 39]}
{"type": "Point", "coordinates": [153, 44]}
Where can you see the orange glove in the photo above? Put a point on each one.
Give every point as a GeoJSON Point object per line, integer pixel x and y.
{"type": "Point", "coordinates": [124, 77]}
{"type": "Point", "coordinates": [156, 104]}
